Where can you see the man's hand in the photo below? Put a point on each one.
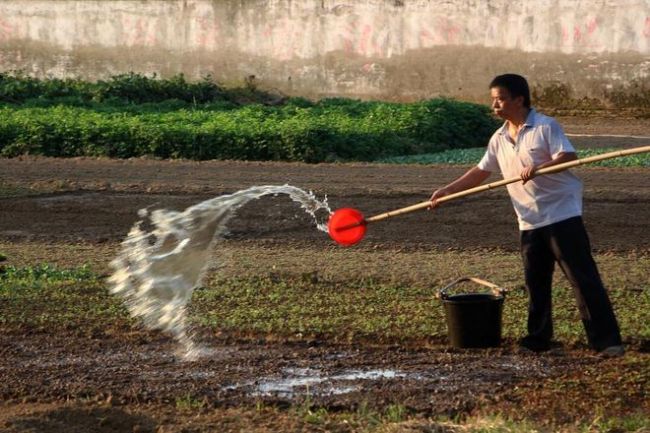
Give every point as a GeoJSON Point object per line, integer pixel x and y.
{"type": "Point", "coordinates": [472, 177]}
{"type": "Point", "coordinates": [436, 195]}
{"type": "Point", "coordinates": [528, 173]}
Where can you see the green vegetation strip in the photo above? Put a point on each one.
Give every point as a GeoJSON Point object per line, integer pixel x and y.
{"type": "Point", "coordinates": [302, 307]}
{"type": "Point", "coordinates": [46, 297]}
{"type": "Point", "coordinates": [474, 155]}
{"type": "Point", "coordinates": [131, 116]}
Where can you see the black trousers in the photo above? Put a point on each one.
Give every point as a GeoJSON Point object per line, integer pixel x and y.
{"type": "Point", "coordinates": [567, 243]}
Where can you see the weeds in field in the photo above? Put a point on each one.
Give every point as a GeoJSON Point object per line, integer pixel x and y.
{"type": "Point", "coordinates": [496, 424]}
{"type": "Point", "coordinates": [47, 297]}
{"type": "Point", "coordinates": [395, 413]}
{"type": "Point", "coordinates": [366, 415]}
{"type": "Point", "coordinates": [310, 414]}
{"type": "Point", "coordinates": [46, 273]}
{"type": "Point", "coordinates": [188, 402]}
{"type": "Point", "coordinates": [636, 423]}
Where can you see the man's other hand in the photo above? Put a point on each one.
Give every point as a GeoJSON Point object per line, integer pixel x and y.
{"type": "Point", "coordinates": [528, 173]}
{"type": "Point", "coordinates": [436, 195]}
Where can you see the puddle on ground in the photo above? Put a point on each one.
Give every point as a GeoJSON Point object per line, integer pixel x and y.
{"type": "Point", "coordinates": [294, 381]}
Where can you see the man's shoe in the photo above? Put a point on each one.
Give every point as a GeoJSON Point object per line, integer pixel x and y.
{"type": "Point", "coordinates": [612, 352]}
{"type": "Point", "coordinates": [528, 344]}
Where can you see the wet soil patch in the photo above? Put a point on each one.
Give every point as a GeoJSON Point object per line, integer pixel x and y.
{"type": "Point", "coordinates": [48, 368]}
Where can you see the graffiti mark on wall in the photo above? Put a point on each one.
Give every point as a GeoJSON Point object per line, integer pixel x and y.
{"type": "Point", "coordinates": [448, 31]}
{"type": "Point", "coordinates": [584, 35]}
{"type": "Point", "coordinates": [138, 31]}
{"type": "Point", "coordinates": [207, 32]}
{"type": "Point", "coordinates": [6, 30]}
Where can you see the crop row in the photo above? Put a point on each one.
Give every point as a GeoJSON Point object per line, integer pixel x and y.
{"type": "Point", "coordinates": [297, 130]}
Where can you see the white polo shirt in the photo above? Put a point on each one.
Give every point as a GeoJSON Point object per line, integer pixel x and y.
{"type": "Point", "coordinates": [545, 199]}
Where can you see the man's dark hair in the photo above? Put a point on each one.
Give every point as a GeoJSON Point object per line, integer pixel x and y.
{"type": "Point", "coordinates": [515, 84]}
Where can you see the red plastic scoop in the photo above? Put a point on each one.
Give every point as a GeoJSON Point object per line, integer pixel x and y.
{"type": "Point", "coordinates": [346, 226]}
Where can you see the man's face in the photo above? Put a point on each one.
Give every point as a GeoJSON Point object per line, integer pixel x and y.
{"type": "Point", "coordinates": [503, 104]}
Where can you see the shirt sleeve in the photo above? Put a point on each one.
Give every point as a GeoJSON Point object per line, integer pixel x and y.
{"type": "Point", "coordinates": [557, 141]}
{"type": "Point", "coordinates": [489, 161]}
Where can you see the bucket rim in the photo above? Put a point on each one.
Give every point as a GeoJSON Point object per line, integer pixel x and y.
{"type": "Point", "coordinates": [495, 290]}
{"type": "Point", "coordinates": [473, 298]}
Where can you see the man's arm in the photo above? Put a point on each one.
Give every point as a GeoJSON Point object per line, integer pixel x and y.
{"type": "Point", "coordinates": [529, 172]}
{"type": "Point", "coordinates": [472, 177]}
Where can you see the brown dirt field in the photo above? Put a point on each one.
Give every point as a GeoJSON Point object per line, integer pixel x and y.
{"type": "Point", "coordinates": [77, 210]}
{"type": "Point", "coordinates": [96, 201]}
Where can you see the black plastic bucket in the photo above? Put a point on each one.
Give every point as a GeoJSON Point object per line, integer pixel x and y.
{"type": "Point", "coordinates": [474, 319]}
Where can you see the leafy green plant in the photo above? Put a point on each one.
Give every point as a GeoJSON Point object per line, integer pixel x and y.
{"type": "Point", "coordinates": [45, 272]}
{"type": "Point", "coordinates": [130, 88]}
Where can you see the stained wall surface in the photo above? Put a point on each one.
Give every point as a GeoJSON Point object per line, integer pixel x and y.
{"type": "Point", "coordinates": [387, 49]}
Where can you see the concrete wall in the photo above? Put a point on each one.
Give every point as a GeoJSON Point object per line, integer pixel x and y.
{"type": "Point", "coordinates": [389, 49]}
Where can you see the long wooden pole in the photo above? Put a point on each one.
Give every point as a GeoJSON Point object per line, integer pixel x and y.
{"type": "Point", "coordinates": [548, 170]}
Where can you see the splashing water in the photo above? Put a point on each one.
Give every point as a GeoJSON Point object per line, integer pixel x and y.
{"type": "Point", "coordinates": [157, 269]}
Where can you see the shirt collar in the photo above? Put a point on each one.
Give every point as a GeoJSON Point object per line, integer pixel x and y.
{"type": "Point", "coordinates": [530, 121]}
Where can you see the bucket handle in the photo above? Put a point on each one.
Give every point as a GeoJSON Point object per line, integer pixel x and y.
{"type": "Point", "coordinates": [496, 290]}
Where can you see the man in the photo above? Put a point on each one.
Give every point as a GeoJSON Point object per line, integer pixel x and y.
{"type": "Point", "coordinates": [549, 210]}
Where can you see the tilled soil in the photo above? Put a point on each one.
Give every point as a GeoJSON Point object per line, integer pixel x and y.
{"type": "Point", "coordinates": [144, 369]}
{"type": "Point", "coordinates": [102, 197]}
